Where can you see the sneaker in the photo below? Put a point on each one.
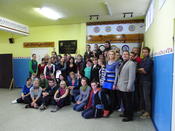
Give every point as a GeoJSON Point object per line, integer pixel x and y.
{"type": "Point", "coordinates": [127, 119]}
{"type": "Point", "coordinates": [145, 115]}
{"type": "Point", "coordinates": [122, 115]}
{"type": "Point", "coordinates": [55, 110]}
{"type": "Point", "coordinates": [27, 106]}
{"type": "Point", "coordinates": [42, 107]}
{"type": "Point", "coordinates": [120, 110]}
{"type": "Point", "coordinates": [14, 102]}
{"type": "Point", "coordinates": [106, 113]}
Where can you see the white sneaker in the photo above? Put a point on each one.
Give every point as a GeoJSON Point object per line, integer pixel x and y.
{"type": "Point", "coordinates": [14, 102]}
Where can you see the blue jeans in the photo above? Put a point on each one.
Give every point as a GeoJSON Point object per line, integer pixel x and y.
{"type": "Point", "coordinates": [89, 113]}
{"type": "Point", "coordinates": [79, 107]}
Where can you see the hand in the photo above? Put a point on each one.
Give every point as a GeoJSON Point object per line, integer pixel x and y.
{"type": "Point", "coordinates": [71, 87]}
{"type": "Point", "coordinates": [33, 103]}
{"type": "Point", "coordinates": [78, 102]}
{"type": "Point", "coordinates": [142, 70]}
{"type": "Point", "coordinates": [113, 88]}
{"type": "Point", "coordinates": [23, 97]}
{"type": "Point", "coordinates": [57, 99]}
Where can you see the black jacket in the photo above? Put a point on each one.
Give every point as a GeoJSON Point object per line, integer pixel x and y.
{"type": "Point", "coordinates": [95, 73]}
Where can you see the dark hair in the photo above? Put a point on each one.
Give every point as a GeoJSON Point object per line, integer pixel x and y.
{"type": "Point", "coordinates": [88, 45]}
{"type": "Point", "coordinates": [51, 80]}
{"type": "Point", "coordinates": [33, 55]}
{"type": "Point", "coordinates": [43, 59]}
{"type": "Point", "coordinates": [133, 53]}
{"type": "Point", "coordinates": [108, 42]}
{"type": "Point", "coordinates": [84, 78]}
{"type": "Point", "coordinates": [146, 48]}
{"type": "Point", "coordinates": [94, 82]}
{"type": "Point", "coordinates": [73, 59]}
{"type": "Point", "coordinates": [28, 79]}
{"type": "Point", "coordinates": [89, 60]}
{"type": "Point", "coordinates": [126, 51]}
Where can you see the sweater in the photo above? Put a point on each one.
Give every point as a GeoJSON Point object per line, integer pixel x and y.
{"type": "Point", "coordinates": [84, 95]}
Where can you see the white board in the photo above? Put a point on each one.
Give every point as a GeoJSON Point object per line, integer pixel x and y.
{"type": "Point", "coordinates": [40, 53]}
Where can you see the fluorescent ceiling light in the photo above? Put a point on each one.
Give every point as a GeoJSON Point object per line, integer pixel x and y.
{"type": "Point", "coordinates": [108, 8]}
{"type": "Point", "coordinates": [49, 13]}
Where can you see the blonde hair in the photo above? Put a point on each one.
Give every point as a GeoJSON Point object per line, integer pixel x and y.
{"type": "Point", "coordinates": [63, 83]}
{"type": "Point", "coordinates": [111, 51]}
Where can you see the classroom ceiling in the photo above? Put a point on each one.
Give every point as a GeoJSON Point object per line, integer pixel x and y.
{"type": "Point", "coordinates": [74, 11]}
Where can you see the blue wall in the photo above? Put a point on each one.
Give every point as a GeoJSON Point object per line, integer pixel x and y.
{"type": "Point", "coordinates": [162, 92]}
{"type": "Point", "coordinates": [20, 71]}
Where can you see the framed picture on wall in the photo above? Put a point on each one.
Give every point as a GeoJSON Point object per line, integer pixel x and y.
{"type": "Point", "coordinates": [67, 47]}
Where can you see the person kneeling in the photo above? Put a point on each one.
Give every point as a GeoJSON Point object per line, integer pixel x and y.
{"type": "Point", "coordinates": [97, 104]}
{"type": "Point", "coordinates": [84, 95]}
{"type": "Point", "coordinates": [61, 96]}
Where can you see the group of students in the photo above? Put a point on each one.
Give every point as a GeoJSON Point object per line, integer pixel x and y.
{"type": "Point", "coordinates": [97, 84]}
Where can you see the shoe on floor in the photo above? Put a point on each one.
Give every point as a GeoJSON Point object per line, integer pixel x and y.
{"type": "Point", "coordinates": [122, 115]}
{"type": "Point", "coordinates": [127, 119]}
{"type": "Point", "coordinates": [55, 110]}
{"type": "Point", "coordinates": [27, 106]}
{"type": "Point", "coordinates": [145, 115]}
{"type": "Point", "coordinates": [42, 107]}
{"type": "Point", "coordinates": [14, 102]}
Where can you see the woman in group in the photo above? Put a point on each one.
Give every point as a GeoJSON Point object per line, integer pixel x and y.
{"type": "Point", "coordinates": [62, 66]}
{"type": "Point", "coordinates": [41, 67]}
{"type": "Point", "coordinates": [97, 104]}
{"type": "Point", "coordinates": [84, 95]}
{"type": "Point", "coordinates": [71, 66]}
{"type": "Point", "coordinates": [73, 84]}
{"type": "Point", "coordinates": [87, 69]}
{"type": "Point", "coordinates": [35, 95]}
{"type": "Point", "coordinates": [33, 65]}
{"type": "Point", "coordinates": [49, 69]}
{"type": "Point", "coordinates": [110, 77]}
{"type": "Point", "coordinates": [61, 96]}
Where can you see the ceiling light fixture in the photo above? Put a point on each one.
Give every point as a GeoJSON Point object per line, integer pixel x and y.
{"type": "Point", "coordinates": [108, 8]}
{"type": "Point", "coordinates": [127, 13]}
{"type": "Point", "coordinates": [49, 13]}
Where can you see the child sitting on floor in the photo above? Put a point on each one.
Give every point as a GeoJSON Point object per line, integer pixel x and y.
{"type": "Point", "coordinates": [61, 96]}
{"type": "Point", "coordinates": [25, 95]}
{"type": "Point", "coordinates": [35, 95]}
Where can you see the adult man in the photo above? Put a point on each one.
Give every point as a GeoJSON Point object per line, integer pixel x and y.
{"type": "Point", "coordinates": [145, 78]}
{"type": "Point", "coordinates": [126, 79]}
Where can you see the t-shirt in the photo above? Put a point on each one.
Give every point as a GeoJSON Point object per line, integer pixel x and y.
{"type": "Point", "coordinates": [87, 72]}
{"type": "Point", "coordinates": [26, 90]}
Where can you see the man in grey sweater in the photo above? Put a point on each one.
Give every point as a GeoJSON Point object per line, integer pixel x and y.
{"type": "Point", "coordinates": [126, 79]}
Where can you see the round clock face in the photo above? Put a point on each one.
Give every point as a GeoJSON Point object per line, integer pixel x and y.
{"type": "Point", "coordinates": [119, 28]}
{"type": "Point", "coordinates": [108, 28]}
{"type": "Point", "coordinates": [132, 28]}
{"type": "Point", "coordinates": [102, 47]}
{"type": "Point", "coordinates": [125, 48]}
{"type": "Point", "coordinates": [96, 29]}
